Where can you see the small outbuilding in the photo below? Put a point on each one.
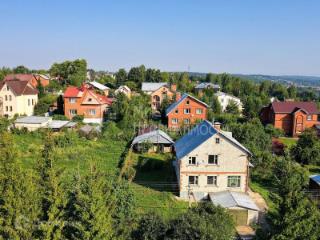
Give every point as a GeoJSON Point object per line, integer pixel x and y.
{"type": "Point", "coordinates": [32, 123]}
{"type": "Point", "coordinates": [155, 140]}
{"type": "Point", "coordinates": [239, 204]}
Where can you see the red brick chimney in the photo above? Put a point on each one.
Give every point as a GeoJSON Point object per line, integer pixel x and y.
{"type": "Point", "coordinates": [173, 87]}
{"type": "Point", "coordinates": [178, 96]}
{"type": "Point", "coordinates": [217, 125]}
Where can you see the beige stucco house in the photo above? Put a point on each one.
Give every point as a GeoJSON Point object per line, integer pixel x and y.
{"type": "Point", "coordinates": [17, 97]}
{"type": "Point", "coordinates": [212, 165]}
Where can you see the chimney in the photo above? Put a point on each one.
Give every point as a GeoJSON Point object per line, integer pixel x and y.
{"type": "Point", "coordinates": [178, 96]}
{"type": "Point", "coordinates": [217, 125]}
{"type": "Point", "coordinates": [173, 87]}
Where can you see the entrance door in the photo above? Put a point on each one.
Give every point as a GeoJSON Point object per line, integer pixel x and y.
{"type": "Point", "coordinates": [240, 217]}
{"type": "Point", "coordinates": [299, 124]}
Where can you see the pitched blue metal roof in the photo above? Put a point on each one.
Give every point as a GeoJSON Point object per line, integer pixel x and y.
{"type": "Point", "coordinates": [316, 178]}
{"type": "Point", "coordinates": [194, 138]}
{"type": "Point", "coordinates": [199, 134]}
{"type": "Point", "coordinates": [173, 105]}
{"type": "Point", "coordinates": [183, 97]}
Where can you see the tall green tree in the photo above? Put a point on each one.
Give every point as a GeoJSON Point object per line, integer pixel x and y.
{"type": "Point", "coordinates": [307, 149]}
{"type": "Point", "coordinates": [202, 222]}
{"type": "Point", "coordinates": [70, 72]}
{"type": "Point", "coordinates": [18, 203]}
{"type": "Point", "coordinates": [121, 77]}
{"type": "Point", "coordinates": [53, 198]}
{"type": "Point", "coordinates": [21, 69]}
{"type": "Point", "coordinates": [232, 108]}
{"type": "Point", "coordinates": [297, 215]}
{"type": "Point", "coordinates": [91, 205]}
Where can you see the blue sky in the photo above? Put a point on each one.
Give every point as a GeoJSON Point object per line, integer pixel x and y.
{"type": "Point", "coordinates": [236, 36]}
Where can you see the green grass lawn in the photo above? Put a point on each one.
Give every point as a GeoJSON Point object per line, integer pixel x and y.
{"type": "Point", "coordinates": [289, 142]}
{"type": "Point", "coordinates": [265, 192]}
{"type": "Point", "coordinates": [155, 185]}
{"type": "Point", "coordinates": [79, 155]}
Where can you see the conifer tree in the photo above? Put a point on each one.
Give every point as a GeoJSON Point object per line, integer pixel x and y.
{"type": "Point", "coordinates": [18, 214]}
{"type": "Point", "coordinates": [53, 198]}
{"type": "Point", "coordinates": [90, 208]}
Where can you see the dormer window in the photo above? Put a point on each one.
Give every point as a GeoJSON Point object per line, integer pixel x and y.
{"type": "Point", "coordinates": [309, 117]}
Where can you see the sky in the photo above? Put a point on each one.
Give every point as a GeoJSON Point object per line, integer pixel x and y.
{"type": "Point", "coordinates": [279, 37]}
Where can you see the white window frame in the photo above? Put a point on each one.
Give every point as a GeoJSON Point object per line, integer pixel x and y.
{"type": "Point", "coordinates": [195, 180]}
{"type": "Point", "coordinates": [186, 111]}
{"type": "Point", "coordinates": [174, 120]}
{"type": "Point", "coordinates": [199, 111]}
{"type": "Point", "coordinates": [234, 181]}
{"type": "Point", "coordinates": [92, 112]}
{"type": "Point", "coordinates": [72, 100]}
{"type": "Point", "coordinates": [186, 121]}
{"type": "Point", "coordinates": [73, 112]}
{"type": "Point", "coordinates": [215, 159]}
{"type": "Point", "coordinates": [192, 160]}
{"type": "Point", "coordinates": [214, 180]}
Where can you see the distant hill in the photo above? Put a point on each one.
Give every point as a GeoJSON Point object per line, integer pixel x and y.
{"type": "Point", "coordinates": [300, 81]}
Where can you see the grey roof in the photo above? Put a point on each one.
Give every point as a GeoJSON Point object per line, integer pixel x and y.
{"type": "Point", "coordinates": [207, 85]}
{"type": "Point", "coordinates": [33, 120]}
{"type": "Point", "coordinates": [98, 85]}
{"type": "Point", "coordinates": [87, 128]}
{"type": "Point", "coordinates": [150, 86]}
{"type": "Point", "coordinates": [198, 135]}
{"type": "Point", "coordinates": [228, 199]}
{"type": "Point", "coordinates": [156, 136]}
{"type": "Point", "coordinates": [183, 97]}
{"type": "Point", "coordinates": [315, 178]}
{"type": "Point", "coordinates": [57, 124]}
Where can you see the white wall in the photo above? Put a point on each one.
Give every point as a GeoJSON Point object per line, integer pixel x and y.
{"type": "Point", "coordinates": [232, 161]}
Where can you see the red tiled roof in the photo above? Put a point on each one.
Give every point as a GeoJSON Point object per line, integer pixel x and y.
{"type": "Point", "coordinates": [21, 77]}
{"type": "Point", "coordinates": [20, 87]}
{"type": "Point", "coordinates": [72, 92]}
{"type": "Point", "coordinates": [80, 91]}
{"type": "Point", "coordinates": [290, 107]}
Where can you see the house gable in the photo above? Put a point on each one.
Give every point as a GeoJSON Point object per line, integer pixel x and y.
{"type": "Point", "coordinates": [90, 98]}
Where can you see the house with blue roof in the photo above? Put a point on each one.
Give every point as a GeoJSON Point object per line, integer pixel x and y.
{"type": "Point", "coordinates": [211, 164]}
{"type": "Point", "coordinates": [187, 110]}
{"type": "Point", "coordinates": [314, 183]}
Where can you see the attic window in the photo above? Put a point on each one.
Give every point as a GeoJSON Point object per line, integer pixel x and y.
{"type": "Point", "coordinates": [89, 99]}
{"type": "Point", "coordinates": [309, 117]}
{"type": "Point", "coordinates": [217, 140]}
{"type": "Point", "coordinates": [188, 102]}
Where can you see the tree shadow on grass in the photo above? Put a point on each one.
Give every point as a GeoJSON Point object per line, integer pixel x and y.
{"type": "Point", "coordinates": [156, 173]}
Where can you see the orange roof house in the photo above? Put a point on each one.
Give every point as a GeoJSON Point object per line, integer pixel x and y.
{"type": "Point", "coordinates": [87, 103]}
{"type": "Point", "coordinates": [187, 110]}
{"type": "Point", "coordinates": [158, 92]}
{"type": "Point", "coordinates": [30, 78]}
{"type": "Point", "coordinates": [292, 117]}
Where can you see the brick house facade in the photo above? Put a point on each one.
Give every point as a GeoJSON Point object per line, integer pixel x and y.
{"type": "Point", "coordinates": [32, 79]}
{"type": "Point", "coordinates": [187, 110]}
{"type": "Point", "coordinates": [87, 103]}
{"type": "Point", "coordinates": [292, 117]}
